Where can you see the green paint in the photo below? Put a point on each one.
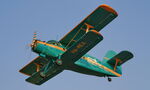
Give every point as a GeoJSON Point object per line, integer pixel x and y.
{"type": "Point", "coordinates": [70, 53]}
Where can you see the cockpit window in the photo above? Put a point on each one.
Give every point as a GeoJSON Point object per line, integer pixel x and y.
{"type": "Point", "coordinates": [54, 42]}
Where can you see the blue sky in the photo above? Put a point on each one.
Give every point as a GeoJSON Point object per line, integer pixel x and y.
{"type": "Point", "coordinates": [52, 19]}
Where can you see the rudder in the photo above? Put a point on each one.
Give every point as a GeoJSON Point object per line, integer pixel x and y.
{"type": "Point", "coordinates": [109, 55]}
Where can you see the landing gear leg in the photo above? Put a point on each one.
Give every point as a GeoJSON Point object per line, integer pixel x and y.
{"type": "Point", "coordinates": [46, 69]}
{"type": "Point", "coordinates": [42, 74]}
{"type": "Point", "coordinates": [59, 61]}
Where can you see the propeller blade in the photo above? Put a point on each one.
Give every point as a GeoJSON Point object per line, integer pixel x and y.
{"type": "Point", "coordinates": [34, 39]}
{"type": "Point", "coordinates": [34, 36]}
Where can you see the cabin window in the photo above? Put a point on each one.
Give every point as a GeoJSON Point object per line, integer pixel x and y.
{"type": "Point", "coordinates": [54, 42]}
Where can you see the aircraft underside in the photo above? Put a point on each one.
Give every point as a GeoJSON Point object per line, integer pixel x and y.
{"type": "Point", "coordinates": [82, 70]}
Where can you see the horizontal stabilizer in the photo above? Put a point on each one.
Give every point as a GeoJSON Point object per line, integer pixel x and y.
{"type": "Point", "coordinates": [120, 58]}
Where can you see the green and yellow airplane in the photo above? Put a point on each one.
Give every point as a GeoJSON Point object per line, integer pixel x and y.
{"type": "Point", "coordinates": [70, 53]}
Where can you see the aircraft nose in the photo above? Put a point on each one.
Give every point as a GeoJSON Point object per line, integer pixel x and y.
{"type": "Point", "coordinates": [34, 41]}
{"type": "Point", "coordinates": [33, 44]}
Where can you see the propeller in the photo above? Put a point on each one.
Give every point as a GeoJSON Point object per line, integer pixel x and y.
{"type": "Point", "coordinates": [32, 45]}
{"type": "Point", "coordinates": [34, 40]}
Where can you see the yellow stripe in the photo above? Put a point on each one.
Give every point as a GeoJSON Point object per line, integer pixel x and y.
{"type": "Point", "coordinates": [102, 66]}
{"type": "Point", "coordinates": [106, 58]}
{"type": "Point", "coordinates": [60, 48]}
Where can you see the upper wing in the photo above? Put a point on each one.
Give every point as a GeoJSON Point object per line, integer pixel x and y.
{"type": "Point", "coordinates": [34, 66]}
{"type": "Point", "coordinates": [98, 19]}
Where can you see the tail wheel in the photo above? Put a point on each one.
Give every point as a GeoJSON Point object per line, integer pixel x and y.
{"type": "Point", "coordinates": [109, 79]}
{"type": "Point", "coordinates": [59, 62]}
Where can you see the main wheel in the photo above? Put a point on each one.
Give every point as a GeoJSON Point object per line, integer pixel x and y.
{"type": "Point", "coordinates": [42, 75]}
{"type": "Point", "coordinates": [59, 62]}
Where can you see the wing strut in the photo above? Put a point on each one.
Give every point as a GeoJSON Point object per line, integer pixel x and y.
{"type": "Point", "coordinates": [117, 61]}
{"type": "Point", "coordinates": [72, 39]}
{"type": "Point", "coordinates": [88, 27]}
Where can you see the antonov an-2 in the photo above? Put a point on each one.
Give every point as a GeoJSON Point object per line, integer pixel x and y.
{"type": "Point", "coordinates": [70, 53]}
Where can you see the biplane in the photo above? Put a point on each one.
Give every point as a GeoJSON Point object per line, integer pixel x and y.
{"type": "Point", "coordinates": [70, 52]}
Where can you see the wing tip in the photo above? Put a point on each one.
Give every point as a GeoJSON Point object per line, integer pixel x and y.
{"type": "Point", "coordinates": [129, 53]}
{"type": "Point", "coordinates": [96, 32]}
{"type": "Point", "coordinates": [24, 72]}
{"type": "Point", "coordinates": [37, 83]}
{"type": "Point", "coordinates": [108, 8]}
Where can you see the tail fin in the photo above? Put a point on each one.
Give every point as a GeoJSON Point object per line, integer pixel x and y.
{"type": "Point", "coordinates": [109, 55]}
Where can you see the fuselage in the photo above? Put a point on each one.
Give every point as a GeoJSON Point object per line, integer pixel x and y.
{"type": "Point", "coordinates": [86, 64]}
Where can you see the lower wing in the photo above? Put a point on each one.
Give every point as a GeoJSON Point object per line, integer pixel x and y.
{"type": "Point", "coordinates": [37, 79]}
{"type": "Point", "coordinates": [81, 47]}
{"type": "Point", "coordinates": [34, 66]}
